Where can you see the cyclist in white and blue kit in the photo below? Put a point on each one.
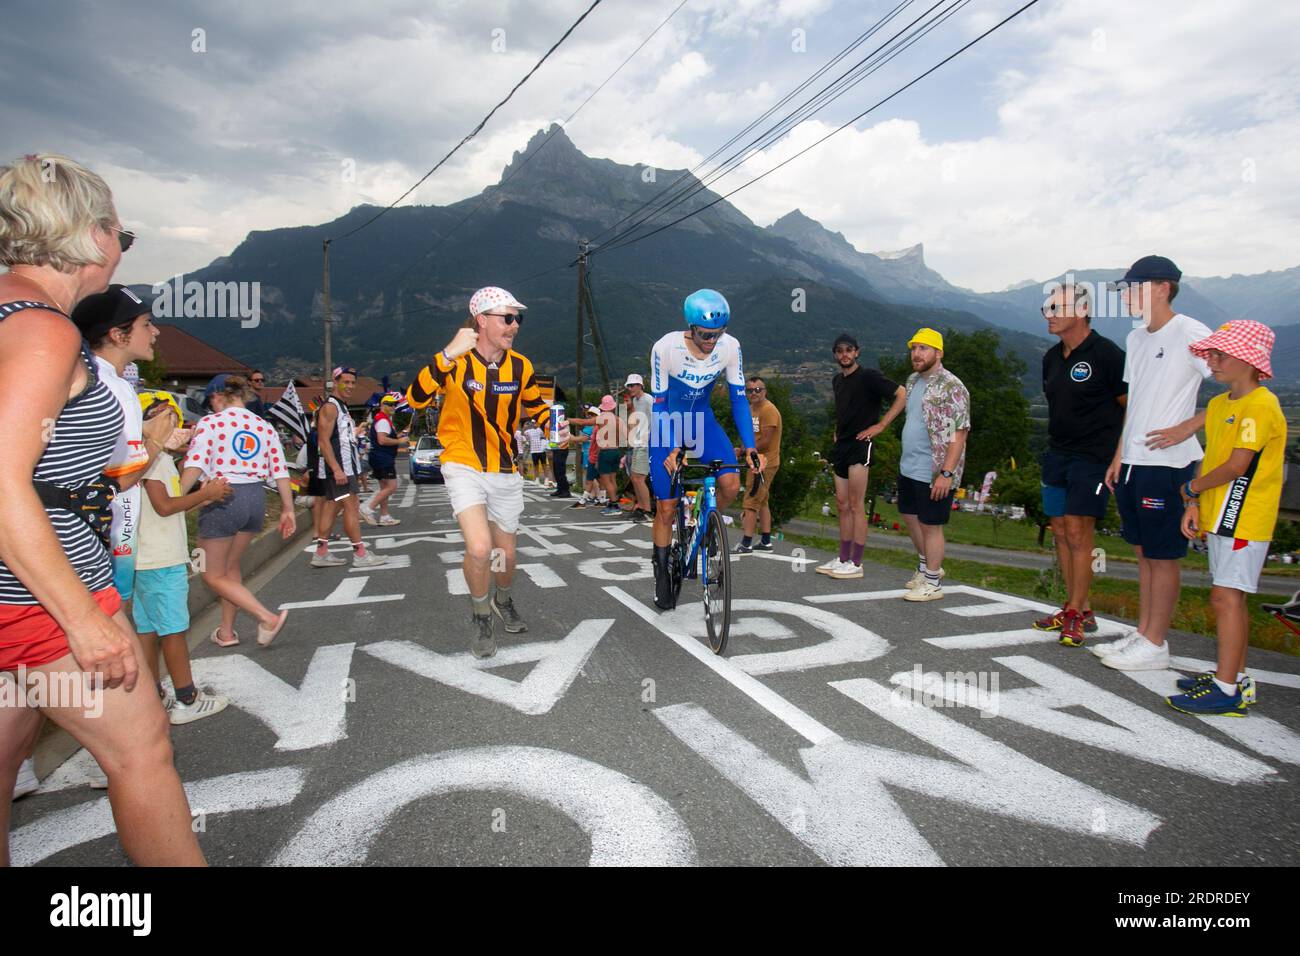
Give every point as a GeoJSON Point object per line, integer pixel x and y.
{"type": "Point", "coordinates": [684, 367]}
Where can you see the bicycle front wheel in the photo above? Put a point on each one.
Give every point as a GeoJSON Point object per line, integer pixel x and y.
{"type": "Point", "coordinates": [717, 582]}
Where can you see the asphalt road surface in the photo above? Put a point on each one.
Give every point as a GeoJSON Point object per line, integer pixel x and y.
{"type": "Point", "coordinates": [843, 726]}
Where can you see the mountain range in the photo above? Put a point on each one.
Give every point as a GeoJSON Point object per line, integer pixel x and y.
{"type": "Point", "coordinates": [399, 288]}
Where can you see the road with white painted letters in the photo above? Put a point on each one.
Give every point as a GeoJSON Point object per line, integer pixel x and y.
{"type": "Point", "coordinates": [844, 726]}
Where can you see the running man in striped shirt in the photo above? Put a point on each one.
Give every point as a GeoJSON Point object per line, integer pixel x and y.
{"type": "Point", "coordinates": [488, 389]}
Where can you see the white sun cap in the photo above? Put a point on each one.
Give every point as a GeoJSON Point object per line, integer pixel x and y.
{"type": "Point", "coordinates": [491, 297]}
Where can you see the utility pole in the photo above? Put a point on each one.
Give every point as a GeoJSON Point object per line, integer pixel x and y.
{"type": "Point", "coordinates": [325, 379]}
{"type": "Point", "coordinates": [582, 281]}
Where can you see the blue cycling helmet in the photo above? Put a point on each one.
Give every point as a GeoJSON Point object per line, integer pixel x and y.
{"type": "Point", "coordinates": [707, 309]}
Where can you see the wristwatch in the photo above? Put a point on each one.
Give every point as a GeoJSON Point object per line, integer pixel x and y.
{"type": "Point", "coordinates": [946, 473]}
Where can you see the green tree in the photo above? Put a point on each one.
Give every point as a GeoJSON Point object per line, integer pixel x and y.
{"type": "Point", "coordinates": [798, 467]}
{"type": "Point", "coordinates": [153, 373]}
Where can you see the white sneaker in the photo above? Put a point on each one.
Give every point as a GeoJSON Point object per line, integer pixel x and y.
{"type": "Point", "coordinates": [204, 705]}
{"type": "Point", "coordinates": [387, 521]}
{"type": "Point", "coordinates": [828, 567]}
{"type": "Point", "coordinates": [918, 578]}
{"type": "Point", "coordinates": [371, 560]}
{"type": "Point", "coordinates": [27, 781]}
{"type": "Point", "coordinates": [368, 516]}
{"type": "Point", "coordinates": [847, 569]}
{"type": "Point", "coordinates": [1114, 647]}
{"type": "Point", "coordinates": [926, 592]}
{"type": "Point", "coordinates": [1141, 655]}
{"type": "Point", "coordinates": [327, 561]}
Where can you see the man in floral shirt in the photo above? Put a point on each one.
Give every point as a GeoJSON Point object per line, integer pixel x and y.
{"type": "Point", "coordinates": [934, 452]}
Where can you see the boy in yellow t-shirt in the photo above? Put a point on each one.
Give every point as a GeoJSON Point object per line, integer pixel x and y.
{"type": "Point", "coordinates": [161, 610]}
{"type": "Point", "coordinates": [1234, 501]}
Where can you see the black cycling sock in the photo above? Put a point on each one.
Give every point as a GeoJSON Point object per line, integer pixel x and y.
{"type": "Point", "coordinates": [746, 541]}
{"type": "Point", "coordinates": [767, 537]}
{"type": "Point", "coordinates": [187, 695]}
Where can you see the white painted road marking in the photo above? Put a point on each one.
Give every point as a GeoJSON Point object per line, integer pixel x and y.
{"type": "Point", "coordinates": [1261, 734]}
{"type": "Point", "coordinates": [558, 665]}
{"type": "Point", "coordinates": [848, 642]}
{"type": "Point", "coordinates": [348, 592]}
{"type": "Point", "coordinates": [984, 610]}
{"type": "Point", "coordinates": [62, 829]}
{"type": "Point", "coordinates": [628, 824]}
{"type": "Point", "coordinates": [776, 705]}
{"type": "Point", "coordinates": [312, 715]}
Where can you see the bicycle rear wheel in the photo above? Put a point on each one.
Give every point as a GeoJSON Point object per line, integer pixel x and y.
{"type": "Point", "coordinates": [717, 585]}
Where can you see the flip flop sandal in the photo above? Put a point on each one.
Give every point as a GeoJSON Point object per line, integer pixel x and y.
{"type": "Point", "coordinates": [265, 635]}
{"type": "Point", "coordinates": [216, 638]}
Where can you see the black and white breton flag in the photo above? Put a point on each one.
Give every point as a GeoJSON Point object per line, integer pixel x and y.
{"type": "Point", "coordinates": [288, 412]}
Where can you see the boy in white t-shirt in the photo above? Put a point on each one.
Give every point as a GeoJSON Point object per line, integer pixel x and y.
{"type": "Point", "coordinates": [1157, 454]}
{"type": "Point", "coordinates": [162, 566]}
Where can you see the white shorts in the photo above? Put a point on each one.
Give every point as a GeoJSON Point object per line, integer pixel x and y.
{"type": "Point", "coordinates": [502, 494]}
{"type": "Point", "coordinates": [1239, 569]}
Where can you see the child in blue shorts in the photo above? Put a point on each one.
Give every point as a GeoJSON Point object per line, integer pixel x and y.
{"type": "Point", "coordinates": [161, 609]}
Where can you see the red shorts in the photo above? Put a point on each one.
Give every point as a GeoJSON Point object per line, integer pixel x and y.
{"type": "Point", "coordinates": [30, 637]}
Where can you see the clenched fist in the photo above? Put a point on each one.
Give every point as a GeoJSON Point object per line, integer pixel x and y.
{"type": "Point", "coordinates": [465, 340]}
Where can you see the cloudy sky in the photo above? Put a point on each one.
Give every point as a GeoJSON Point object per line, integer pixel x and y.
{"type": "Point", "coordinates": [1083, 134]}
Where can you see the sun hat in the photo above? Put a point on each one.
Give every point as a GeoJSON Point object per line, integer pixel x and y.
{"type": "Point", "coordinates": [1244, 339]}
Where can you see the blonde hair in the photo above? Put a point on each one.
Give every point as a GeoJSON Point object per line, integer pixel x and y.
{"type": "Point", "coordinates": [48, 206]}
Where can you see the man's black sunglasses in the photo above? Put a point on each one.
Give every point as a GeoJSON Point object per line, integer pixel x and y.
{"type": "Point", "coordinates": [508, 318]}
{"type": "Point", "coordinates": [705, 336]}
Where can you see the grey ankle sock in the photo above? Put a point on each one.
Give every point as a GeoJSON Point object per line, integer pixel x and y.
{"type": "Point", "coordinates": [481, 608]}
{"type": "Point", "coordinates": [503, 596]}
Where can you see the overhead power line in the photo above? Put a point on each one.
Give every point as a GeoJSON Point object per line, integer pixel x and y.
{"type": "Point", "coordinates": [899, 43]}
{"type": "Point", "coordinates": [472, 133]}
{"type": "Point", "coordinates": [823, 139]}
{"type": "Point", "coordinates": [532, 155]}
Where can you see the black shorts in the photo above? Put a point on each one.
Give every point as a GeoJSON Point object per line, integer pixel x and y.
{"type": "Point", "coordinates": [849, 452]}
{"type": "Point", "coordinates": [315, 486]}
{"type": "Point", "coordinates": [539, 458]}
{"type": "Point", "coordinates": [337, 492]}
{"type": "Point", "coordinates": [1073, 485]}
{"type": "Point", "coordinates": [1151, 509]}
{"type": "Point", "coordinates": [383, 472]}
{"type": "Point", "coordinates": [914, 499]}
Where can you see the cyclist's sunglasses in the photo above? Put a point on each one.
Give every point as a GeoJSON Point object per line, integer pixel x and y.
{"type": "Point", "coordinates": [508, 318]}
{"type": "Point", "coordinates": [705, 336]}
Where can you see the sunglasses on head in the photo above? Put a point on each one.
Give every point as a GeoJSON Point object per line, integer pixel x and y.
{"type": "Point", "coordinates": [705, 336]}
{"type": "Point", "coordinates": [507, 318]}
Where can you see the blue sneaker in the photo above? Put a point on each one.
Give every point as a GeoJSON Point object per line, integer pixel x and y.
{"type": "Point", "coordinates": [1206, 700]}
{"type": "Point", "coordinates": [1195, 681]}
{"type": "Point", "coordinates": [1249, 693]}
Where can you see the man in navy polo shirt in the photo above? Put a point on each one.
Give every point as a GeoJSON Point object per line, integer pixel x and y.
{"type": "Point", "coordinates": [1083, 379]}
{"type": "Point", "coordinates": [1156, 455]}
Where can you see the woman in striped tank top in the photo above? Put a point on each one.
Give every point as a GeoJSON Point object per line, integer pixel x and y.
{"type": "Point", "coordinates": [60, 618]}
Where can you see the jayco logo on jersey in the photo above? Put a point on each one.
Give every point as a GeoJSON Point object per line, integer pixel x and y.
{"type": "Point", "coordinates": [696, 378]}
{"type": "Point", "coordinates": [246, 445]}
{"type": "Point", "coordinates": [1081, 372]}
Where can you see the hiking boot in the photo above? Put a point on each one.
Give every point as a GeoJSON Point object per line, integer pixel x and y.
{"type": "Point", "coordinates": [510, 619]}
{"type": "Point", "coordinates": [484, 644]}
{"type": "Point", "coordinates": [1072, 628]}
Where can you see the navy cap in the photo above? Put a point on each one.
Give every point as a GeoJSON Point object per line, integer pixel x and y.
{"type": "Point", "coordinates": [115, 306]}
{"type": "Point", "coordinates": [217, 384]}
{"type": "Point", "coordinates": [845, 339]}
{"type": "Point", "coordinates": [1153, 269]}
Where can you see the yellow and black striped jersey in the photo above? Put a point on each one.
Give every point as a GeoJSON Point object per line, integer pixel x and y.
{"type": "Point", "coordinates": [483, 403]}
